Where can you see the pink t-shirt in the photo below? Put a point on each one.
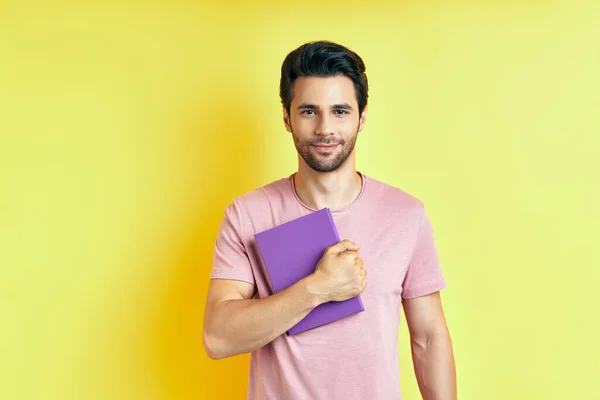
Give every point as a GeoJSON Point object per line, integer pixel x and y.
{"type": "Point", "coordinates": [355, 358]}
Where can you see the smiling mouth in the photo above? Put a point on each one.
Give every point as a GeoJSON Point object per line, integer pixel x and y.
{"type": "Point", "coordinates": [324, 147]}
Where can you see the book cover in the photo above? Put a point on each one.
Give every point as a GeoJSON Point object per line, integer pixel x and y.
{"type": "Point", "coordinates": [291, 252]}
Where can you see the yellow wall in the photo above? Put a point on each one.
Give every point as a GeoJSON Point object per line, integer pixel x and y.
{"type": "Point", "coordinates": [127, 129]}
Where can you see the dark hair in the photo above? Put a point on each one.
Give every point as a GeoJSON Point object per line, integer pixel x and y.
{"type": "Point", "coordinates": [323, 59]}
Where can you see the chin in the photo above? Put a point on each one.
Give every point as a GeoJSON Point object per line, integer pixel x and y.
{"type": "Point", "coordinates": [324, 168]}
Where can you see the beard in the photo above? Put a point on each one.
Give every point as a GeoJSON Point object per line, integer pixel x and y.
{"type": "Point", "coordinates": [321, 162]}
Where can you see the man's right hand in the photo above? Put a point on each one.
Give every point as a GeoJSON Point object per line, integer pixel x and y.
{"type": "Point", "coordinates": [236, 323]}
{"type": "Point", "coordinates": [340, 274]}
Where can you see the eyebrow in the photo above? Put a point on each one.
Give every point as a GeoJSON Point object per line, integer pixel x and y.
{"type": "Point", "coordinates": [342, 106]}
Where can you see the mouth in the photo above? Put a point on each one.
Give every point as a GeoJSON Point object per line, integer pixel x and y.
{"type": "Point", "coordinates": [324, 147]}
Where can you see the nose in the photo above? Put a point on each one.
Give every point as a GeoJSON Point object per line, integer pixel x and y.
{"type": "Point", "coordinates": [324, 127]}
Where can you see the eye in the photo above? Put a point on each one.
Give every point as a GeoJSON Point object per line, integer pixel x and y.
{"type": "Point", "coordinates": [341, 112]}
{"type": "Point", "coordinates": [308, 112]}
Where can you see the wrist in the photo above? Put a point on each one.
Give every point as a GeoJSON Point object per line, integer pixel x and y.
{"type": "Point", "coordinates": [311, 287]}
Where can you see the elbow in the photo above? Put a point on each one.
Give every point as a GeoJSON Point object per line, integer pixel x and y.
{"type": "Point", "coordinates": [422, 341]}
{"type": "Point", "coordinates": [215, 348]}
{"type": "Point", "coordinates": [213, 351]}
{"type": "Point", "coordinates": [419, 344]}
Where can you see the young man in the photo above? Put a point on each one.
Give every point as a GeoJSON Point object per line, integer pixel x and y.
{"type": "Point", "coordinates": [387, 255]}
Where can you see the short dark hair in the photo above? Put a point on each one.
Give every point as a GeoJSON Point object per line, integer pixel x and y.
{"type": "Point", "coordinates": [323, 59]}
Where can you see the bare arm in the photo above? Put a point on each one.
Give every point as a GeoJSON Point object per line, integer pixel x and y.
{"type": "Point", "coordinates": [234, 323]}
{"type": "Point", "coordinates": [432, 353]}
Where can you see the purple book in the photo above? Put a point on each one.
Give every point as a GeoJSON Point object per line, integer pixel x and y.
{"type": "Point", "coordinates": [291, 251]}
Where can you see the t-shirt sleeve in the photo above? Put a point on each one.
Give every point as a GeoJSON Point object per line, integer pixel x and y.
{"type": "Point", "coordinates": [424, 275]}
{"type": "Point", "coordinates": [230, 259]}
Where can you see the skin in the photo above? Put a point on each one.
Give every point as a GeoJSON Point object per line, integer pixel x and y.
{"type": "Point", "coordinates": [324, 112]}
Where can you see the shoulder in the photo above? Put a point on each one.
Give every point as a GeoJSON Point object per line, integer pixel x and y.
{"type": "Point", "coordinates": [388, 195]}
{"type": "Point", "coordinates": [264, 197]}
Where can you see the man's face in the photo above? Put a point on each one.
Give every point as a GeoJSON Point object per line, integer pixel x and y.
{"type": "Point", "coordinates": [324, 121]}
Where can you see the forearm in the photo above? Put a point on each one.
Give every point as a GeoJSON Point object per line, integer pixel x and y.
{"type": "Point", "coordinates": [434, 365]}
{"type": "Point", "coordinates": [242, 326]}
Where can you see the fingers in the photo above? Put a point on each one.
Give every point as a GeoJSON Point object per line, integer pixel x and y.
{"type": "Point", "coordinates": [342, 246]}
{"type": "Point", "coordinates": [351, 255]}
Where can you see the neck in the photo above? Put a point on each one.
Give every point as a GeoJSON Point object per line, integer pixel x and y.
{"type": "Point", "coordinates": [335, 190]}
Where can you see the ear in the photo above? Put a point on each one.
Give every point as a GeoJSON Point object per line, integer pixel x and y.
{"type": "Point", "coordinates": [286, 119]}
{"type": "Point", "coordinates": [362, 119]}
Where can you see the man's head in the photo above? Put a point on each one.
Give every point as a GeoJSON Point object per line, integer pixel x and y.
{"type": "Point", "coordinates": [324, 93]}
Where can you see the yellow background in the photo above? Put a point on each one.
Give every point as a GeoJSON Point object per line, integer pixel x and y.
{"type": "Point", "coordinates": [126, 128]}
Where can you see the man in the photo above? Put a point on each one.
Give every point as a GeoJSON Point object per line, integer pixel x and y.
{"type": "Point", "coordinates": [387, 255]}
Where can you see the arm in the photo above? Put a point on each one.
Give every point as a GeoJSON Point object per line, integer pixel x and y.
{"type": "Point", "coordinates": [234, 323]}
{"type": "Point", "coordinates": [431, 347]}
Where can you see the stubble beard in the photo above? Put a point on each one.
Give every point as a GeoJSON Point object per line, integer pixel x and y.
{"type": "Point", "coordinates": [323, 163]}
